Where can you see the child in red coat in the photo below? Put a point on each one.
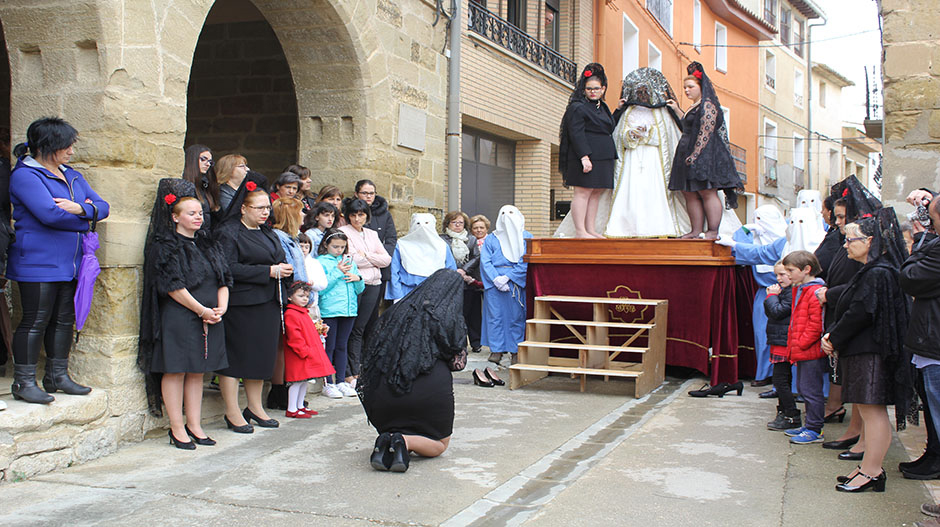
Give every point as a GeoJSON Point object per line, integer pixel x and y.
{"type": "Point", "coordinates": [803, 343]}
{"type": "Point", "coordinates": [304, 357]}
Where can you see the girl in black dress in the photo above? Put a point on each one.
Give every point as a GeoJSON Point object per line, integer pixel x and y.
{"type": "Point", "coordinates": [406, 384]}
{"type": "Point", "coordinates": [198, 170]}
{"type": "Point", "coordinates": [703, 162]}
{"type": "Point", "coordinates": [586, 154]}
{"type": "Point", "coordinates": [253, 323]}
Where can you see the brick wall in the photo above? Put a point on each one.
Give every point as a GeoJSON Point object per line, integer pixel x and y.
{"type": "Point", "coordinates": [241, 96]}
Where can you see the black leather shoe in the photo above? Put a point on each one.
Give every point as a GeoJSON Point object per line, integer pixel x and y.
{"type": "Point", "coordinates": [24, 386]}
{"type": "Point", "coordinates": [381, 458]}
{"type": "Point", "coordinates": [263, 423]}
{"type": "Point", "coordinates": [720, 389]}
{"type": "Point", "coordinates": [769, 394]}
{"type": "Point", "coordinates": [480, 379]}
{"type": "Point", "coordinates": [838, 414]}
{"type": "Point", "coordinates": [928, 469]}
{"type": "Point", "coordinates": [848, 455]}
{"type": "Point", "coordinates": [876, 483]}
{"type": "Point", "coordinates": [760, 383]}
{"type": "Point", "coordinates": [841, 445]}
{"type": "Point", "coordinates": [57, 378]}
{"type": "Point", "coordinates": [240, 429]}
{"type": "Point", "coordinates": [188, 445]}
{"type": "Point", "coordinates": [491, 375]}
{"type": "Point", "coordinates": [907, 465]}
{"type": "Point", "coordinates": [204, 441]}
{"type": "Point", "coordinates": [400, 457]}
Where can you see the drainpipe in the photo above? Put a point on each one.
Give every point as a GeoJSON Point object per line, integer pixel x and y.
{"type": "Point", "coordinates": [453, 110]}
{"type": "Point", "coordinates": [809, 102]}
{"type": "Point", "coordinates": [598, 32]}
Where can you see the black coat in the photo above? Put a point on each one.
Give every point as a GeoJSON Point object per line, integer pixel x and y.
{"type": "Point", "coordinates": [827, 250]}
{"type": "Point", "coordinates": [382, 223]}
{"type": "Point", "coordinates": [778, 308]}
{"type": "Point", "coordinates": [920, 278]}
{"type": "Point", "coordinates": [853, 332]}
{"type": "Point", "coordinates": [588, 132]}
{"type": "Point", "coordinates": [251, 263]}
{"type": "Point", "coordinates": [840, 271]}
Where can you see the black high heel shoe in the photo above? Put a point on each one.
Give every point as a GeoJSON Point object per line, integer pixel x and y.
{"type": "Point", "coordinates": [479, 379]}
{"type": "Point", "coordinates": [240, 429]}
{"type": "Point", "coordinates": [187, 445]}
{"type": "Point", "coordinates": [204, 441]}
{"type": "Point", "coordinates": [263, 423]}
{"type": "Point", "coordinates": [381, 454]}
{"type": "Point", "coordinates": [720, 390]}
{"type": "Point", "coordinates": [838, 414]}
{"type": "Point", "coordinates": [491, 375]}
{"type": "Point", "coordinates": [400, 457]}
{"type": "Point", "coordinates": [876, 483]}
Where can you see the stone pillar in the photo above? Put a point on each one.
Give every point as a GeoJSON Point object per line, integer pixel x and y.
{"type": "Point", "coordinates": [533, 185]}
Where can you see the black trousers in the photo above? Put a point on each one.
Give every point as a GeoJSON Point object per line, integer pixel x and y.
{"type": "Point", "coordinates": [48, 318]}
{"type": "Point", "coordinates": [782, 378]}
{"type": "Point", "coordinates": [473, 314]}
{"type": "Point", "coordinates": [933, 442]}
{"type": "Point", "coordinates": [368, 308]}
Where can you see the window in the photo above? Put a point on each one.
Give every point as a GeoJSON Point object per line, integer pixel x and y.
{"type": "Point", "coordinates": [487, 177]}
{"type": "Point", "coordinates": [726, 113]}
{"type": "Point", "coordinates": [770, 12]}
{"type": "Point", "coordinates": [662, 12]}
{"type": "Point", "coordinates": [515, 13]}
{"type": "Point", "coordinates": [697, 25]}
{"type": "Point", "coordinates": [770, 153]}
{"type": "Point", "coordinates": [784, 26]}
{"type": "Point", "coordinates": [834, 167]}
{"type": "Point", "coordinates": [821, 96]}
{"type": "Point", "coordinates": [799, 160]}
{"type": "Point", "coordinates": [551, 24]}
{"type": "Point", "coordinates": [798, 88]}
{"type": "Point", "coordinates": [721, 52]}
{"type": "Point", "coordinates": [798, 37]}
{"type": "Point", "coordinates": [631, 46]}
{"type": "Point", "coordinates": [770, 70]}
{"type": "Point", "coordinates": [655, 58]}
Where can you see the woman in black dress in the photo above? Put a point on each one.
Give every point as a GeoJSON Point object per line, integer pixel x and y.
{"type": "Point", "coordinates": [253, 322]}
{"type": "Point", "coordinates": [406, 384]}
{"type": "Point", "coordinates": [586, 154]}
{"type": "Point", "coordinates": [191, 283]}
{"type": "Point", "coordinates": [867, 339]}
{"type": "Point", "coordinates": [703, 162]}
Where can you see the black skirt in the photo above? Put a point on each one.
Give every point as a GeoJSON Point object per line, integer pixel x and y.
{"type": "Point", "coordinates": [251, 336]}
{"type": "Point", "coordinates": [183, 348]}
{"type": "Point", "coordinates": [600, 176]}
{"type": "Point", "coordinates": [428, 410]}
{"type": "Point", "coordinates": [865, 379]}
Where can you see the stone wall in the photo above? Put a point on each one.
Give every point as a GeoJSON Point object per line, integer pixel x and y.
{"type": "Point", "coordinates": [241, 96]}
{"type": "Point", "coordinates": [119, 71]}
{"type": "Point", "coordinates": [912, 98]}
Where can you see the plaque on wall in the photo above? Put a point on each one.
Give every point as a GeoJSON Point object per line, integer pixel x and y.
{"type": "Point", "coordinates": [412, 127]}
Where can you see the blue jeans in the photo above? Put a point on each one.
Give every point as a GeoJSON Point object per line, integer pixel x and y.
{"type": "Point", "coordinates": [337, 339]}
{"type": "Point", "coordinates": [931, 377]}
{"type": "Point", "coordinates": [810, 379]}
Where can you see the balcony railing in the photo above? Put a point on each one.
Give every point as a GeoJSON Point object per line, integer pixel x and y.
{"type": "Point", "coordinates": [508, 36]}
{"type": "Point", "coordinates": [740, 160]}
{"type": "Point", "coordinates": [798, 184]}
{"type": "Point", "coordinates": [770, 81]}
{"type": "Point", "coordinates": [662, 11]}
{"type": "Point", "coordinates": [770, 172]}
{"type": "Point", "coordinates": [798, 99]}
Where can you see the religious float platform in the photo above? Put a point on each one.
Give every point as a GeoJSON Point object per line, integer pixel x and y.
{"type": "Point", "coordinates": [576, 324]}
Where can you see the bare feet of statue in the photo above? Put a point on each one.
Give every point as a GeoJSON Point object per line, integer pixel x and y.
{"type": "Point", "coordinates": [711, 235]}
{"type": "Point", "coordinates": [690, 236]}
{"type": "Point", "coordinates": [595, 235]}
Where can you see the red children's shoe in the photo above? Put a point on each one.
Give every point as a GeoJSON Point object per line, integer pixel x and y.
{"type": "Point", "coordinates": [299, 414]}
{"type": "Point", "coordinates": [308, 411]}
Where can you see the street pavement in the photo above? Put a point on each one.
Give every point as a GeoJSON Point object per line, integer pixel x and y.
{"type": "Point", "coordinates": [545, 455]}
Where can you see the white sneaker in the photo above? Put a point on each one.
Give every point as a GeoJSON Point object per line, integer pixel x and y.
{"type": "Point", "coordinates": [346, 389]}
{"type": "Point", "coordinates": [332, 391]}
{"type": "Point", "coordinates": [3, 405]}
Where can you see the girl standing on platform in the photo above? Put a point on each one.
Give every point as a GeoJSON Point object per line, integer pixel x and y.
{"type": "Point", "coordinates": [587, 152]}
{"type": "Point", "coordinates": [504, 281]}
{"type": "Point", "coordinates": [703, 162]}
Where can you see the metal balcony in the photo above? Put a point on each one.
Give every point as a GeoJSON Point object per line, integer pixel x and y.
{"type": "Point", "coordinates": [740, 161]}
{"type": "Point", "coordinates": [508, 36]}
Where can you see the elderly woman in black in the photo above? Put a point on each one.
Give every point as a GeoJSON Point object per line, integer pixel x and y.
{"type": "Point", "coordinates": [406, 384]}
{"type": "Point", "coordinates": [253, 321]}
{"type": "Point", "coordinates": [867, 339]}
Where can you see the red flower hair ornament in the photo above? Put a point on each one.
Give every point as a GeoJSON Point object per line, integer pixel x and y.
{"type": "Point", "coordinates": [845, 193]}
{"type": "Point", "coordinates": [866, 215]}
{"type": "Point", "coordinates": [588, 73]}
{"type": "Point", "coordinates": [251, 186]}
{"type": "Point", "coordinates": [170, 199]}
{"type": "Point", "coordinates": [697, 74]}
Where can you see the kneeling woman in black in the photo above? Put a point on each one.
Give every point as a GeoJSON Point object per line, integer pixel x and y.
{"type": "Point", "coordinates": [253, 322]}
{"type": "Point", "coordinates": [406, 384]}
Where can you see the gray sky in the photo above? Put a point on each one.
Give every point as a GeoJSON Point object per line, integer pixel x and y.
{"type": "Point", "coordinates": [850, 54]}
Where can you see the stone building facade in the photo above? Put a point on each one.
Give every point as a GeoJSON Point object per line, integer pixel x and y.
{"type": "Point", "coordinates": [321, 82]}
{"type": "Point", "coordinates": [912, 98]}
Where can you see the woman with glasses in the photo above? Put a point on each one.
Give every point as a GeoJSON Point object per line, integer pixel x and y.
{"type": "Point", "coordinates": [587, 152]}
{"type": "Point", "coordinates": [198, 170]}
{"type": "Point", "coordinates": [466, 253]}
{"type": "Point", "coordinates": [253, 321]}
{"type": "Point", "coordinates": [231, 170]}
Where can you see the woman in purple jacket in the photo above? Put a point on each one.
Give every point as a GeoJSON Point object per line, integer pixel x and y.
{"type": "Point", "coordinates": [52, 207]}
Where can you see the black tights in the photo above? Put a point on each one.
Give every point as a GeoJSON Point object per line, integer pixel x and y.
{"type": "Point", "coordinates": [48, 317]}
{"type": "Point", "coordinates": [782, 378]}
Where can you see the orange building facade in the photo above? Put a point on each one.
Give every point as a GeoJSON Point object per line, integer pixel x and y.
{"type": "Point", "coordinates": [668, 35]}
